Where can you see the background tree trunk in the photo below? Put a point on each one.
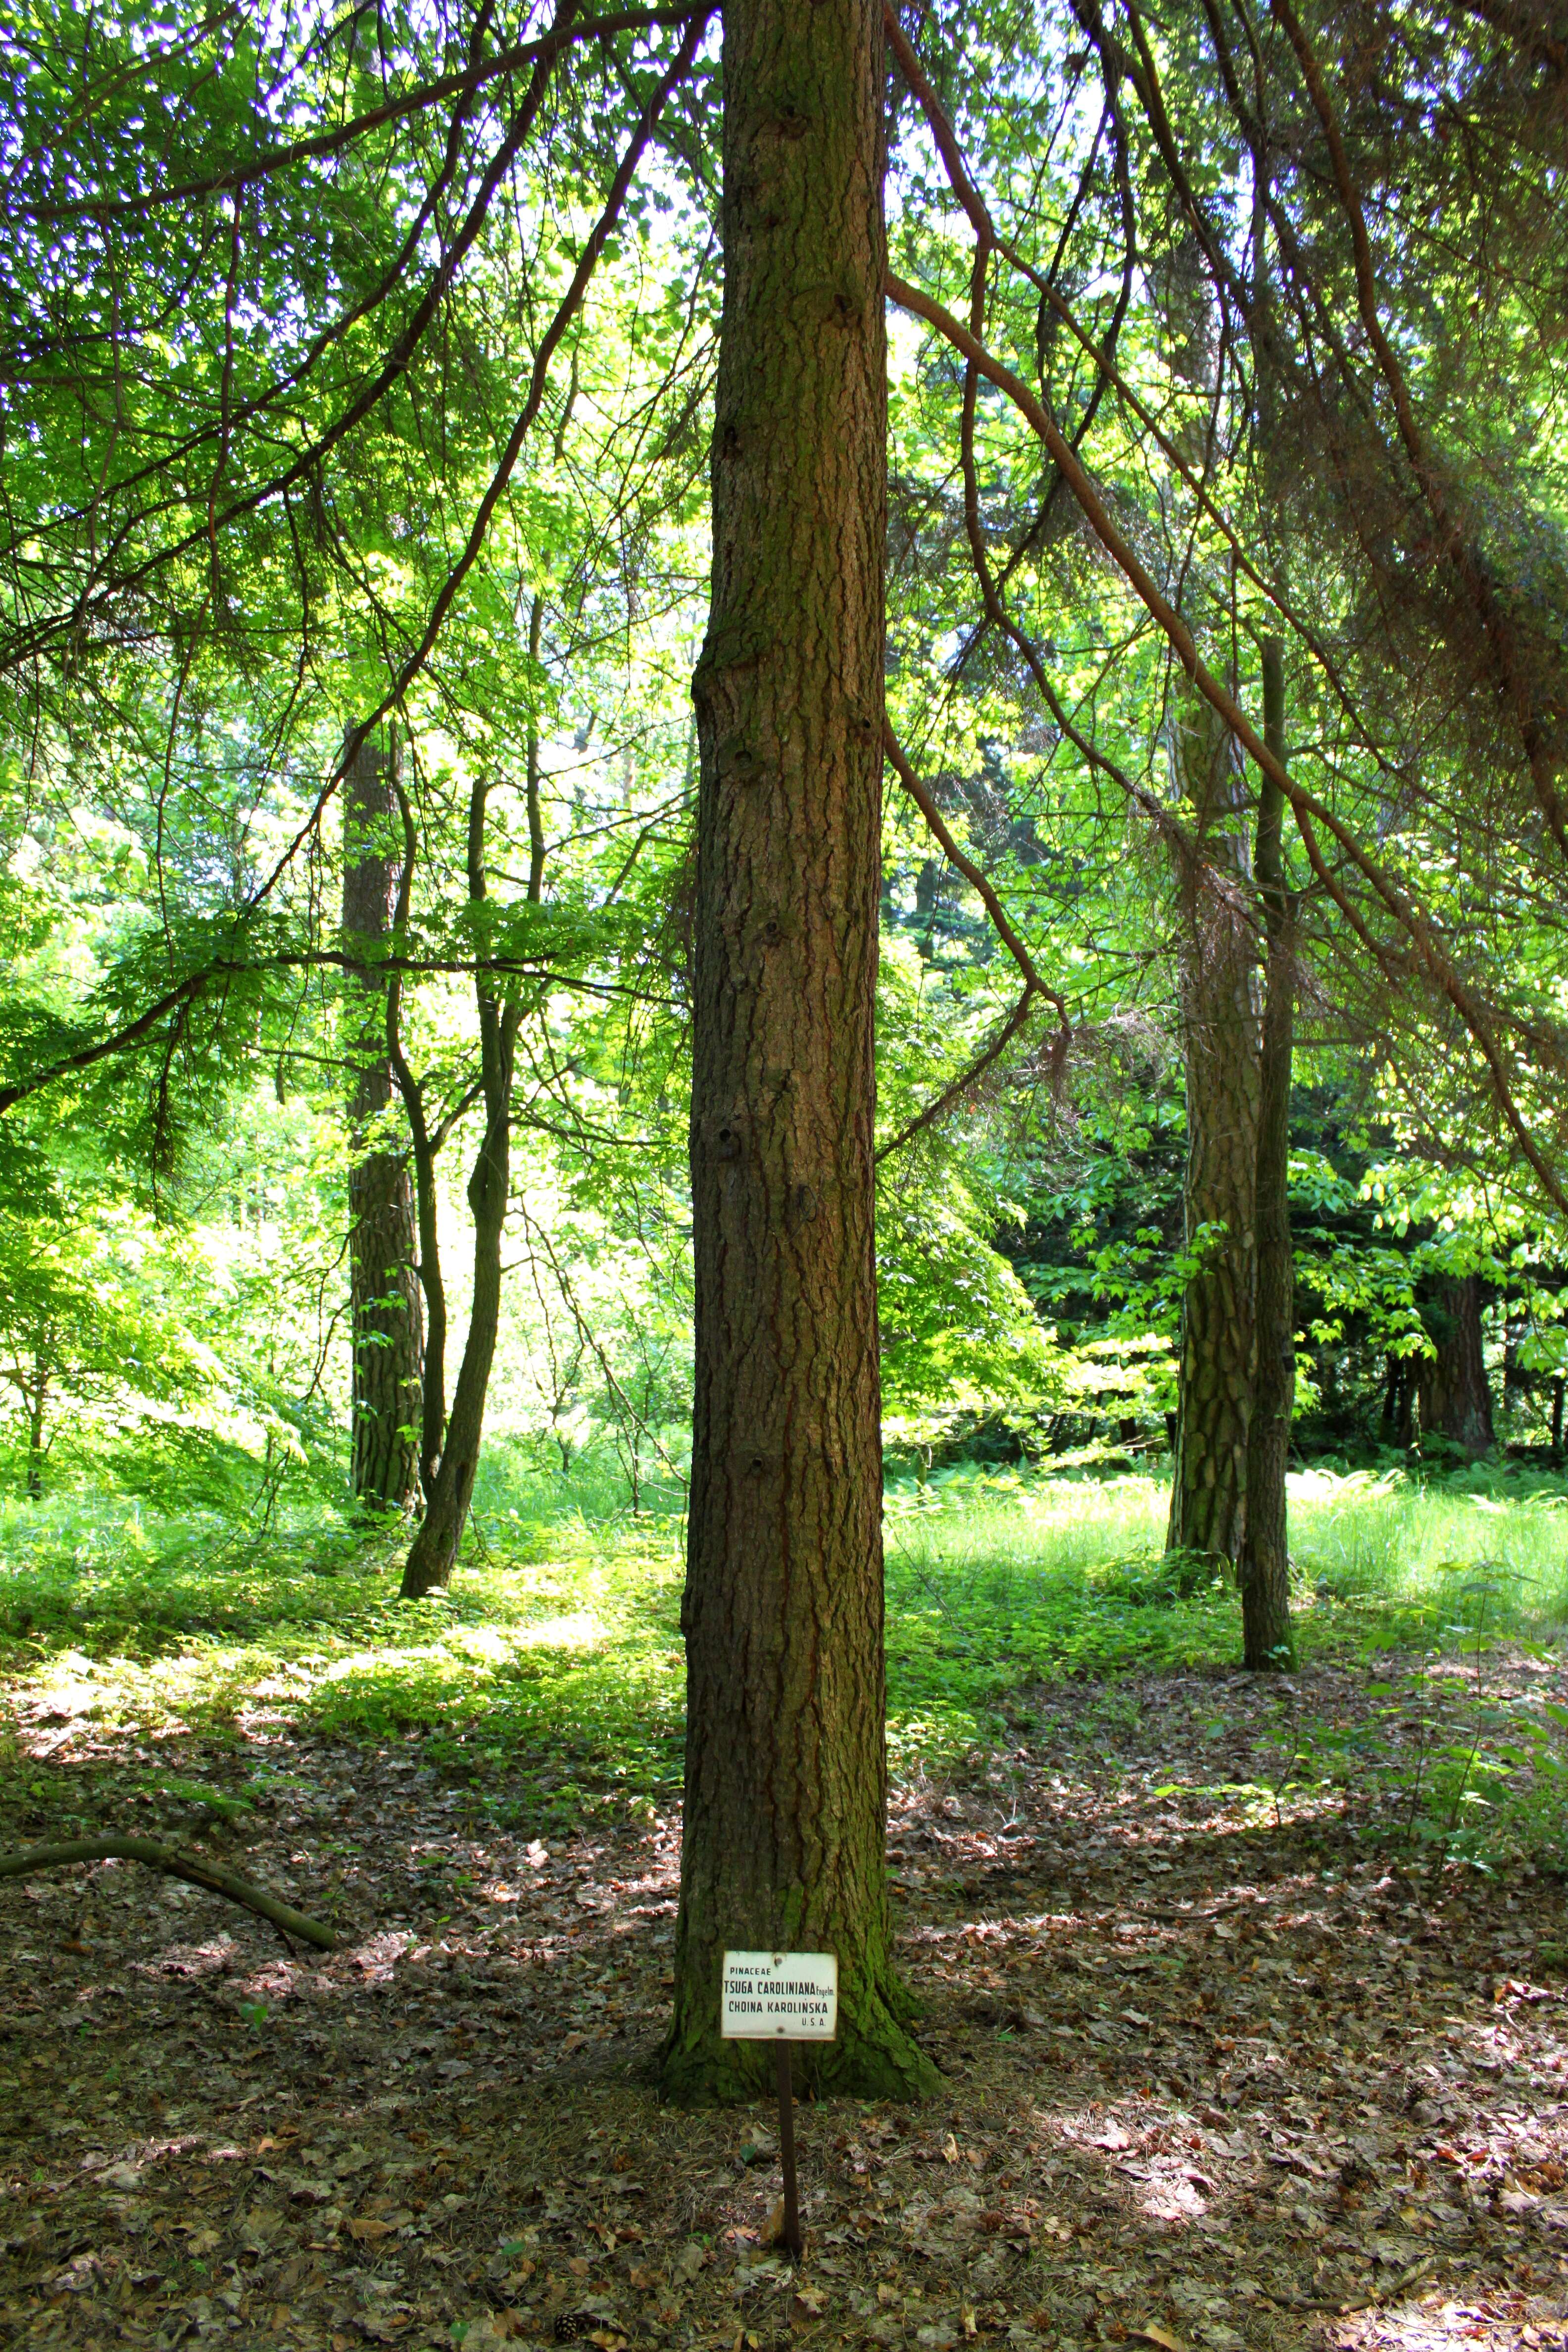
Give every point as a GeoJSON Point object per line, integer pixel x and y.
{"type": "Point", "coordinates": [1398, 1398]}
{"type": "Point", "coordinates": [37, 1397]}
{"type": "Point", "coordinates": [1454, 1395]}
{"type": "Point", "coordinates": [384, 1288]}
{"type": "Point", "coordinates": [786, 1758]}
{"type": "Point", "coordinates": [449, 1484]}
{"type": "Point", "coordinates": [1220, 1009]}
{"type": "Point", "coordinates": [433, 1551]}
{"type": "Point", "coordinates": [1265, 1563]}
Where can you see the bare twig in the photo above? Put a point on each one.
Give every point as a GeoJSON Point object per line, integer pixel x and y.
{"type": "Point", "coordinates": [977, 881]}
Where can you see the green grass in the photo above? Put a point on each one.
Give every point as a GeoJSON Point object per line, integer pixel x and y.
{"type": "Point", "coordinates": [997, 1581]}
{"type": "Point", "coordinates": [552, 1674]}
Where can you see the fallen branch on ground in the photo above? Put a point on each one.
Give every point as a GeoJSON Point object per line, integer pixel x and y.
{"type": "Point", "coordinates": [1369, 2302]}
{"type": "Point", "coordinates": [216, 1880]}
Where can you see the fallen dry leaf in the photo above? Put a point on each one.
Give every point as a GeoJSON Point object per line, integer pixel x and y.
{"type": "Point", "coordinates": [1336, 2054]}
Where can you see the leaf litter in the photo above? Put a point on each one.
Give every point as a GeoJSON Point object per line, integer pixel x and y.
{"type": "Point", "coordinates": [1221, 2069]}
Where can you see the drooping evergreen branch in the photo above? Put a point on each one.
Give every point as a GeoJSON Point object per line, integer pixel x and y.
{"type": "Point", "coordinates": [1036, 986]}
{"type": "Point", "coordinates": [462, 85]}
{"type": "Point", "coordinates": [306, 462]}
{"type": "Point", "coordinates": [978, 880]}
{"type": "Point", "coordinates": [1514, 687]}
{"type": "Point", "coordinates": [1101, 352]}
{"type": "Point", "coordinates": [131, 1033]}
{"type": "Point", "coordinates": [1476, 1016]}
{"type": "Point", "coordinates": [967, 1080]}
{"type": "Point", "coordinates": [566, 310]}
{"type": "Point", "coordinates": [221, 971]}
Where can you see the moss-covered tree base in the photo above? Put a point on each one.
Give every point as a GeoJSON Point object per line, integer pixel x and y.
{"type": "Point", "coordinates": [872, 2057]}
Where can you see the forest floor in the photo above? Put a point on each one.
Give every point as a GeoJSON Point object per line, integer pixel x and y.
{"type": "Point", "coordinates": [1231, 2058]}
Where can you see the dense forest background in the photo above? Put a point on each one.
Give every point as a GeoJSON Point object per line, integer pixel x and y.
{"type": "Point", "coordinates": [783, 1118]}
{"type": "Point", "coordinates": [262, 667]}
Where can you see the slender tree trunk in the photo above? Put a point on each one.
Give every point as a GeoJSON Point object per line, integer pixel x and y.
{"type": "Point", "coordinates": [1456, 1397]}
{"type": "Point", "coordinates": [384, 1289]}
{"type": "Point", "coordinates": [1265, 1565]}
{"type": "Point", "coordinates": [37, 1405]}
{"type": "Point", "coordinates": [785, 1755]}
{"type": "Point", "coordinates": [450, 1490]}
{"type": "Point", "coordinates": [434, 1552]}
{"type": "Point", "coordinates": [1557, 1387]}
{"type": "Point", "coordinates": [535, 804]}
{"type": "Point", "coordinates": [1220, 1008]}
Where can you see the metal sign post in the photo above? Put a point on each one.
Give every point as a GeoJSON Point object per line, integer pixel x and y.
{"type": "Point", "coordinates": [792, 2236]}
{"type": "Point", "coordinates": [781, 1997]}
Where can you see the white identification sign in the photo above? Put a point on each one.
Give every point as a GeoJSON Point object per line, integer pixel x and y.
{"type": "Point", "coordinates": [780, 1997]}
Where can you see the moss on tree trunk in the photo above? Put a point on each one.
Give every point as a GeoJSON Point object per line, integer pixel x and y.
{"type": "Point", "coordinates": [785, 1768]}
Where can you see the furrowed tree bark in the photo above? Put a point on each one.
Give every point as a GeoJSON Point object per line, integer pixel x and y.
{"type": "Point", "coordinates": [1454, 1392]}
{"type": "Point", "coordinates": [786, 1760]}
{"type": "Point", "coordinates": [1265, 1562]}
{"type": "Point", "coordinates": [1220, 1014]}
{"type": "Point", "coordinates": [386, 1331]}
{"type": "Point", "coordinates": [449, 1486]}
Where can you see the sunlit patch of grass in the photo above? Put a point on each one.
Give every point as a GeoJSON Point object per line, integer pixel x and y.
{"type": "Point", "coordinates": [546, 1675]}
{"type": "Point", "coordinates": [549, 1675]}
{"type": "Point", "coordinates": [989, 1590]}
{"type": "Point", "coordinates": [996, 1580]}
{"type": "Point", "coordinates": [1387, 1541]}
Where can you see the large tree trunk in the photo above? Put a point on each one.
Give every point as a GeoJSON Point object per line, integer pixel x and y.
{"type": "Point", "coordinates": [786, 1757]}
{"type": "Point", "coordinates": [1220, 1007]}
{"type": "Point", "coordinates": [1265, 1565]}
{"type": "Point", "coordinates": [384, 1288]}
{"type": "Point", "coordinates": [1456, 1398]}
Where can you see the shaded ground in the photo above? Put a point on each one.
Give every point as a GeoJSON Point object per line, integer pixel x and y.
{"type": "Point", "coordinates": [1218, 2064]}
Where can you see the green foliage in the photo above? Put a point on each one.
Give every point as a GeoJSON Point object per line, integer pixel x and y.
{"type": "Point", "coordinates": [548, 1682]}
{"type": "Point", "coordinates": [248, 429]}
